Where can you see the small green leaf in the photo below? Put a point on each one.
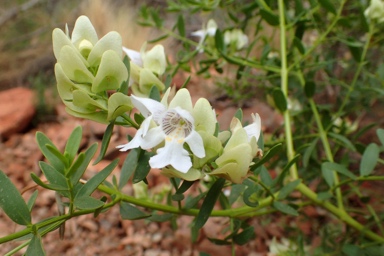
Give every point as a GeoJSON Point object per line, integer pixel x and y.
{"type": "Point", "coordinates": [299, 45]}
{"type": "Point", "coordinates": [209, 203]}
{"type": "Point", "coordinates": [180, 25]}
{"type": "Point", "coordinates": [328, 5]}
{"type": "Point", "coordinates": [105, 142]}
{"type": "Point", "coordinates": [338, 168]}
{"type": "Point", "coordinates": [343, 140]}
{"type": "Point", "coordinates": [380, 134]}
{"type": "Point", "coordinates": [284, 208]}
{"type": "Point", "coordinates": [54, 187]}
{"type": "Point", "coordinates": [236, 191]}
{"type": "Point", "coordinates": [324, 195]}
{"type": "Point", "coordinates": [280, 100]}
{"type": "Point", "coordinates": [239, 114]}
{"type": "Point", "coordinates": [78, 168]}
{"type": "Point", "coordinates": [158, 39]}
{"type": "Point", "coordinates": [12, 202]}
{"type": "Point", "coordinates": [32, 200]}
{"type": "Point", "coordinates": [129, 166]}
{"type": "Point", "coordinates": [52, 175]}
{"type": "Point", "coordinates": [87, 203]}
{"type": "Point", "coordinates": [248, 193]}
{"type": "Point", "coordinates": [35, 247]}
{"type": "Point", "coordinates": [245, 236]}
{"type": "Point", "coordinates": [43, 141]}
{"type": "Point", "coordinates": [143, 167]}
{"type": "Point", "coordinates": [130, 212]}
{"type": "Point", "coordinates": [219, 41]}
{"type": "Point", "coordinates": [73, 144]}
{"type": "Point", "coordinates": [88, 188]}
{"type": "Point", "coordinates": [269, 17]}
{"type": "Point", "coordinates": [369, 159]}
{"type": "Point", "coordinates": [310, 89]}
{"type": "Point", "coordinates": [308, 152]}
{"type": "Point", "coordinates": [155, 93]}
{"type": "Point", "coordinates": [287, 189]}
{"type": "Point", "coordinates": [267, 156]}
{"type": "Point", "coordinates": [265, 177]}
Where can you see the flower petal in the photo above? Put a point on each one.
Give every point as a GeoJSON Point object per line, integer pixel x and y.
{"type": "Point", "coordinates": [254, 129]}
{"type": "Point", "coordinates": [84, 30]}
{"type": "Point", "coordinates": [134, 56]}
{"type": "Point", "coordinates": [195, 142]}
{"type": "Point", "coordinates": [147, 106]}
{"type": "Point", "coordinates": [182, 99]}
{"type": "Point", "coordinates": [173, 154]}
{"type": "Point", "coordinates": [152, 138]}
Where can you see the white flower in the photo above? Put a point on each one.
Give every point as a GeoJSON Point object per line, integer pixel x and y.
{"type": "Point", "coordinates": [173, 124]}
{"type": "Point", "coordinates": [154, 59]}
{"type": "Point", "coordinates": [375, 11]}
{"type": "Point", "coordinates": [254, 129]}
{"type": "Point", "coordinates": [236, 37]}
{"type": "Point", "coordinates": [210, 30]}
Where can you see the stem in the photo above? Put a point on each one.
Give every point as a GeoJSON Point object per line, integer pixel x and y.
{"type": "Point", "coordinates": [328, 151]}
{"type": "Point", "coordinates": [284, 89]}
{"type": "Point", "coordinates": [339, 213]}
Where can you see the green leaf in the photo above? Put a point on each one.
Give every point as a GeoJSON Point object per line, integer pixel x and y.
{"type": "Point", "coordinates": [219, 41]}
{"type": "Point", "coordinates": [344, 141]}
{"type": "Point", "coordinates": [52, 175]}
{"type": "Point", "coordinates": [155, 93]}
{"type": "Point", "coordinates": [78, 168]}
{"type": "Point", "coordinates": [43, 141]}
{"type": "Point", "coordinates": [279, 99]}
{"type": "Point", "coordinates": [130, 212]}
{"type": "Point", "coordinates": [12, 202]}
{"type": "Point", "coordinates": [299, 45]}
{"type": "Point", "coordinates": [328, 5]}
{"type": "Point", "coordinates": [181, 25]}
{"type": "Point", "coordinates": [324, 195]}
{"type": "Point", "coordinates": [129, 166]}
{"type": "Point", "coordinates": [239, 114]}
{"type": "Point", "coordinates": [96, 180]}
{"type": "Point", "coordinates": [267, 156]}
{"type": "Point", "coordinates": [338, 168]}
{"type": "Point", "coordinates": [284, 208]}
{"type": "Point", "coordinates": [245, 236]}
{"type": "Point", "coordinates": [35, 247]}
{"type": "Point", "coordinates": [143, 167]}
{"type": "Point", "coordinates": [369, 159]}
{"type": "Point", "coordinates": [209, 203]}
{"type": "Point", "coordinates": [105, 142]}
{"type": "Point", "coordinates": [32, 200]}
{"type": "Point", "coordinates": [236, 190]}
{"type": "Point", "coordinates": [269, 17]}
{"type": "Point", "coordinates": [54, 187]}
{"type": "Point", "coordinates": [58, 155]}
{"type": "Point", "coordinates": [310, 89]}
{"type": "Point", "coordinates": [352, 250]}
{"type": "Point", "coordinates": [287, 189]}
{"type": "Point", "coordinates": [265, 177]}
{"type": "Point", "coordinates": [309, 151]}
{"type": "Point", "coordinates": [157, 39]}
{"type": "Point", "coordinates": [73, 144]}
{"type": "Point", "coordinates": [380, 134]}
{"type": "Point", "coordinates": [124, 85]}
{"type": "Point", "coordinates": [87, 203]}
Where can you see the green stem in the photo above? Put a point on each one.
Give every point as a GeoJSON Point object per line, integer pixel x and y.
{"type": "Point", "coordinates": [328, 151]}
{"type": "Point", "coordinates": [339, 213]}
{"type": "Point", "coordinates": [284, 89]}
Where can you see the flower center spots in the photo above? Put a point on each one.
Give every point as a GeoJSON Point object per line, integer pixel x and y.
{"type": "Point", "coordinates": [175, 126]}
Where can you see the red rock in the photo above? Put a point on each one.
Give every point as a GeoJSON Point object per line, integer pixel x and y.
{"type": "Point", "coordinates": [17, 109]}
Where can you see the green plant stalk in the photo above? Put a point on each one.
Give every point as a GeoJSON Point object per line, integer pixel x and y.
{"type": "Point", "coordinates": [284, 89]}
{"type": "Point", "coordinates": [328, 151]}
{"type": "Point", "coordinates": [339, 213]}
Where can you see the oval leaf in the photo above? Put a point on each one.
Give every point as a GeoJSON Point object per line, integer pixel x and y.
{"type": "Point", "coordinates": [369, 160]}
{"type": "Point", "coordinates": [12, 202]}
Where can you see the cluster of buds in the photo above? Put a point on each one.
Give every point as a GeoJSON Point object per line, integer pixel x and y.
{"type": "Point", "coordinates": [87, 69]}
{"type": "Point", "coordinates": [92, 81]}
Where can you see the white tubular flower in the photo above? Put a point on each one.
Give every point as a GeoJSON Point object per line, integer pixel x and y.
{"type": "Point", "coordinates": [236, 37]}
{"type": "Point", "coordinates": [173, 124]}
{"type": "Point", "coordinates": [210, 30]}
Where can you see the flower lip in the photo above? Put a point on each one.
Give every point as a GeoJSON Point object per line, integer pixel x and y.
{"type": "Point", "coordinates": [176, 125]}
